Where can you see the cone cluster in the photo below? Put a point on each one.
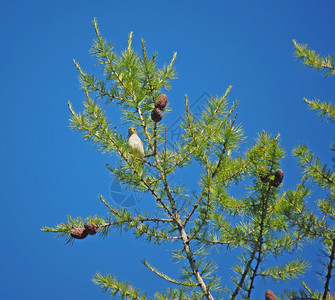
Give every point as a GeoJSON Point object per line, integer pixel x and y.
{"type": "Point", "coordinates": [81, 233]}
{"type": "Point", "coordinates": [160, 104]}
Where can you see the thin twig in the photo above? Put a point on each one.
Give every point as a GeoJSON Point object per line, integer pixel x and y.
{"type": "Point", "coordinates": [317, 170]}
{"type": "Point", "coordinates": [329, 272]}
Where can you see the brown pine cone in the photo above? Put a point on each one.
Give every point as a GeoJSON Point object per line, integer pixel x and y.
{"type": "Point", "coordinates": [269, 295]}
{"type": "Point", "coordinates": [79, 233]}
{"type": "Point", "coordinates": [161, 102]}
{"type": "Point", "coordinates": [279, 175]}
{"type": "Point", "coordinates": [90, 228]}
{"type": "Point", "coordinates": [156, 115]}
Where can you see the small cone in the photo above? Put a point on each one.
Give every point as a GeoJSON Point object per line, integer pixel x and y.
{"type": "Point", "coordinates": [156, 115]}
{"type": "Point", "coordinates": [90, 228]}
{"type": "Point", "coordinates": [279, 175]}
{"type": "Point", "coordinates": [79, 233]}
{"type": "Point", "coordinates": [269, 295]}
{"type": "Point", "coordinates": [161, 102]}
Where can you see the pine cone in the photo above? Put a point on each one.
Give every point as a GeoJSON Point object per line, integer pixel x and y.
{"type": "Point", "coordinates": [156, 115]}
{"type": "Point", "coordinates": [79, 233]}
{"type": "Point", "coordinates": [161, 102]}
{"type": "Point", "coordinates": [90, 228]}
{"type": "Point", "coordinates": [269, 295]}
{"type": "Point", "coordinates": [279, 175]}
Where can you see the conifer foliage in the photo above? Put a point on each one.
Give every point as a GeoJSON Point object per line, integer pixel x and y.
{"type": "Point", "coordinates": [318, 225]}
{"type": "Point", "coordinates": [258, 223]}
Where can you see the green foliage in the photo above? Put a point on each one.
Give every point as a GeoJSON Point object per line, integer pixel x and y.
{"type": "Point", "coordinates": [260, 224]}
{"type": "Point", "coordinates": [319, 225]}
{"type": "Point", "coordinates": [115, 287]}
{"type": "Point", "coordinates": [311, 59]}
{"type": "Point", "coordinates": [324, 109]}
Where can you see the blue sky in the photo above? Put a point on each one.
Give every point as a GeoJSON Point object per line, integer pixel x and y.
{"type": "Point", "coordinates": [49, 172]}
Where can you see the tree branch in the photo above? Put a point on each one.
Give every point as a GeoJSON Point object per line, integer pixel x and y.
{"type": "Point", "coordinates": [329, 271]}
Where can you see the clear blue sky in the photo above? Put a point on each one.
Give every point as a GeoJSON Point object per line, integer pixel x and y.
{"type": "Point", "coordinates": [48, 172]}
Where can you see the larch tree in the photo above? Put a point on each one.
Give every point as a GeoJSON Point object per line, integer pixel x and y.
{"type": "Point", "coordinates": [260, 223]}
